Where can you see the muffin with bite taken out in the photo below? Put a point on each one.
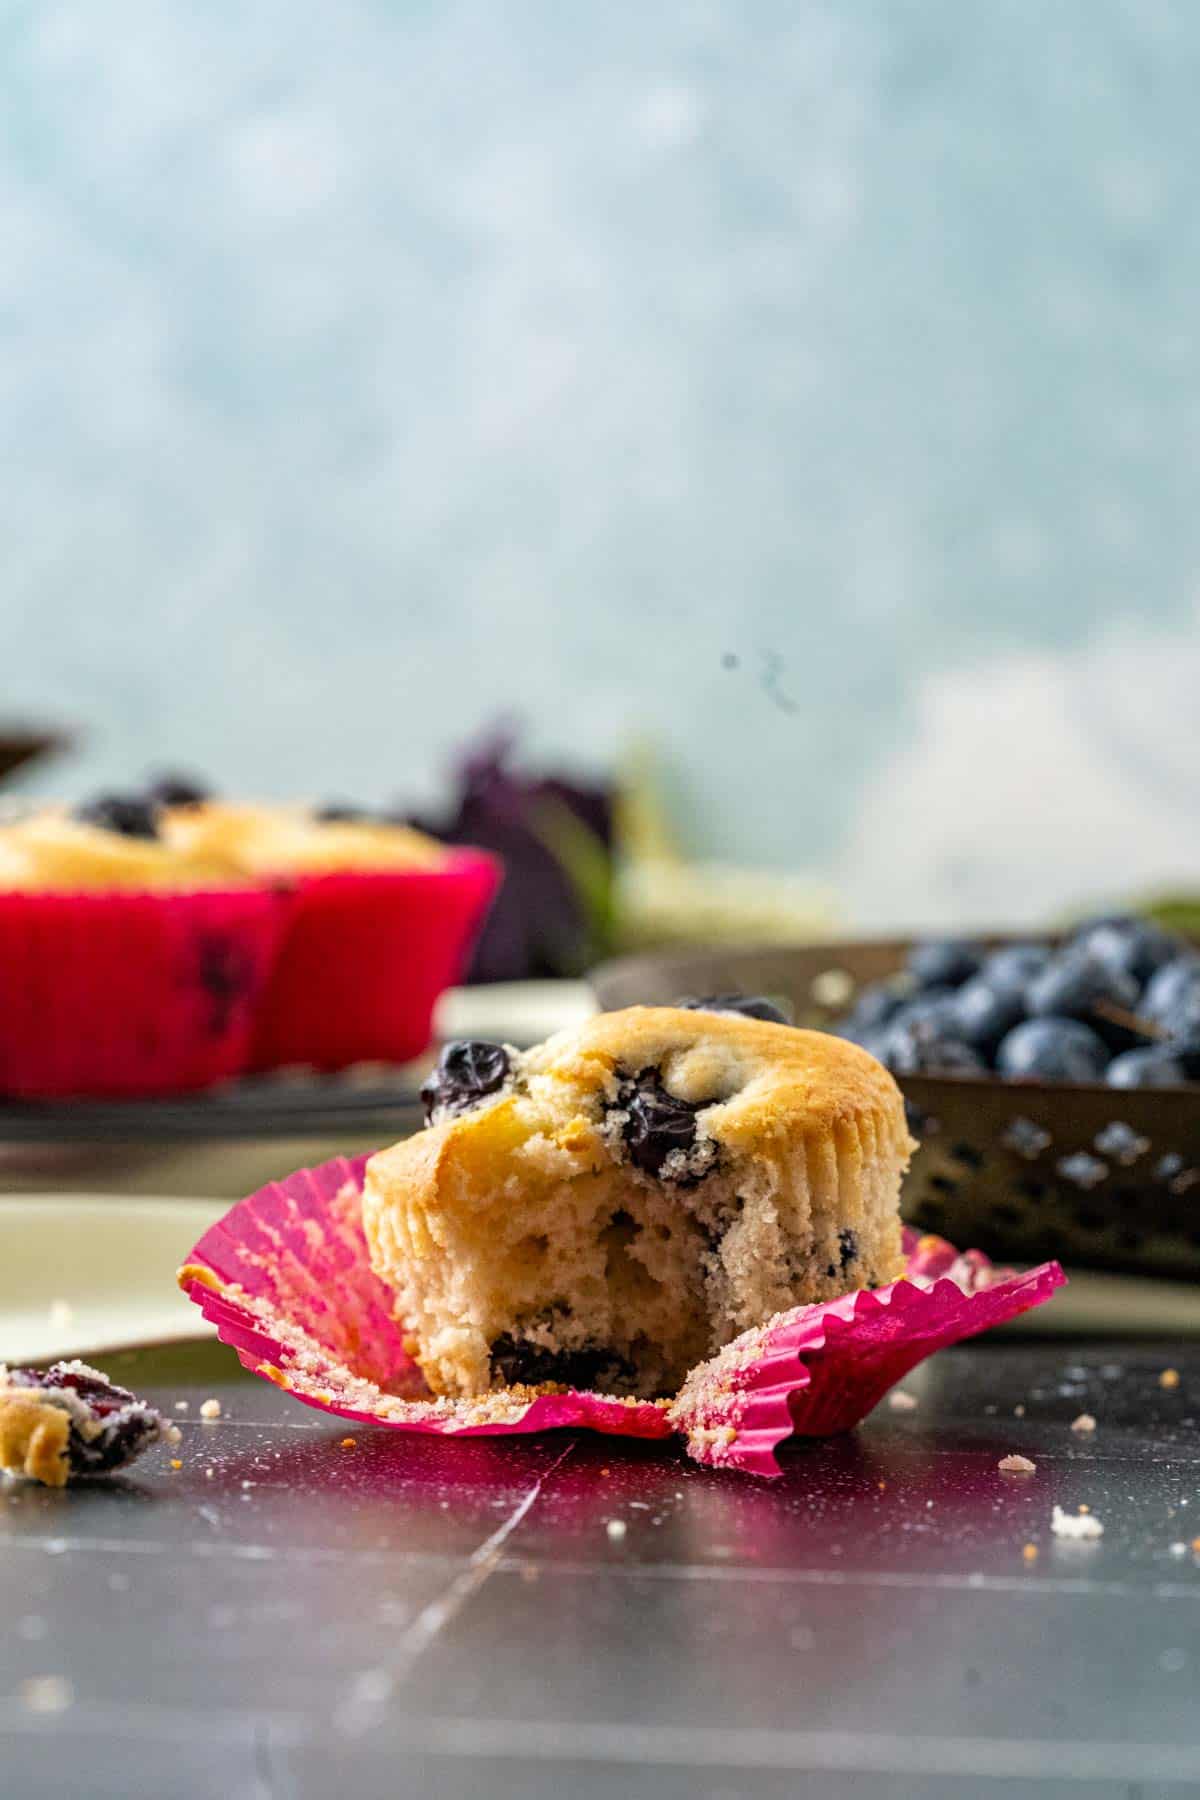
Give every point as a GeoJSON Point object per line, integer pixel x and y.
{"type": "Point", "coordinates": [612, 1207]}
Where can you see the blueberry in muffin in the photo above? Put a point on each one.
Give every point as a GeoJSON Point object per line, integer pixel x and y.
{"type": "Point", "coordinates": [177, 790]}
{"type": "Point", "coordinates": [613, 1206]}
{"type": "Point", "coordinates": [132, 815]}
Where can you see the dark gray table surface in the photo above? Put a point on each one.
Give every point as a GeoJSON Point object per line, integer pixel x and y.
{"type": "Point", "coordinates": [287, 1617]}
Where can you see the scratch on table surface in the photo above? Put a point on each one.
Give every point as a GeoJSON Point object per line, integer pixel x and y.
{"type": "Point", "coordinates": [369, 1692]}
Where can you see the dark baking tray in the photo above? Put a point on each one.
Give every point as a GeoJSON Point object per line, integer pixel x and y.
{"type": "Point", "coordinates": [990, 1170]}
{"type": "Point", "coordinates": [249, 1109]}
{"type": "Point", "coordinates": [223, 1143]}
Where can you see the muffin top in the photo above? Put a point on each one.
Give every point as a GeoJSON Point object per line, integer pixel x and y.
{"type": "Point", "coordinates": [756, 1076]}
{"type": "Point", "coordinates": [675, 1077]}
{"type": "Point", "coordinates": [295, 840]}
{"type": "Point", "coordinates": [116, 842]}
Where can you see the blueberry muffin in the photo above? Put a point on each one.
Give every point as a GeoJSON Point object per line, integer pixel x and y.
{"type": "Point", "coordinates": [264, 841]}
{"type": "Point", "coordinates": [612, 1207]}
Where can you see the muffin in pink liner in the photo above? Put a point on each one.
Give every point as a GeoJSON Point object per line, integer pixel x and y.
{"type": "Point", "coordinates": [124, 993]}
{"type": "Point", "coordinates": [130, 967]}
{"type": "Point", "coordinates": [384, 921]}
{"type": "Point", "coordinates": [365, 959]}
{"type": "Point", "coordinates": [286, 1279]}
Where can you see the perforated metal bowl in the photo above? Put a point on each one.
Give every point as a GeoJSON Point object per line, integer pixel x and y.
{"type": "Point", "coordinates": [1102, 1177]}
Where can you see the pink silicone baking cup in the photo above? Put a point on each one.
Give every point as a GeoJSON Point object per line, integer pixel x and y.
{"type": "Point", "coordinates": [365, 958]}
{"type": "Point", "coordinates": [285, 1278]}
{"type": "Point", "coordinates": [117, 994]}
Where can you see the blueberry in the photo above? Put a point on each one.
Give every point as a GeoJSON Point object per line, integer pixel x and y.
{"type": "Point", "coordinates": [1015, 965]}
{"type": "Point", "coordinates": [467, 1071]}
{"type": "Point", "coordinates": [934, 1009]}
{"type": "Point", "coordinates": [519, 1362]}
{"type": "Point", "coordinates": [874, 1007]}
{"type": "Point", "coordinates": [176, 790]}
{"type": "Point", "coordinates": [1075, 983]}
{"type": "Point", "coordinates": [1051, 1049]}
{"type": "Point", "coordinates": [128, 814]}
{"type": "Point", "coordinates": [985, 1011]}
{"type": "Point", "coordinates": [1168, 985]}
{"type": "Point", "coordinates": [1186, 1050]}
{"type": "Point", "coordinates": [750, 1006]}
{"type": "Point", "coordinates": [931, 1015]}
{"type": "Point", "coordinates": [943, 962]}
{"type": "Point", "coordinates": [918, 1048]}
{"type": "Point", "coordinates": [875, 1043]}
{"type": "Point", "coordinates": [1152, 1067]}
{"type": "Point", "coordinates": [227, 971]}
{"type": "Point", "coordinates": [1182, 1019]}
{"type": "Point", "coordinates": [1136, 947]}
{"type": "Point", "coordinates": [656, 1124]}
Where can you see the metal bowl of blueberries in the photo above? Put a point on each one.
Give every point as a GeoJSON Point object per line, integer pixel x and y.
{"type": "Point", "coordinates": [1054, 1084]}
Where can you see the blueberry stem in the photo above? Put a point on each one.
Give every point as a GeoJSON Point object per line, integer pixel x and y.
{"type": "Point", "coordinates": [1130, 1021]}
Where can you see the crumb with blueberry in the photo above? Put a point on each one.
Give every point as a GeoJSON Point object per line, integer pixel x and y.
{"type": "Point", "coordinates": [69, 1421]}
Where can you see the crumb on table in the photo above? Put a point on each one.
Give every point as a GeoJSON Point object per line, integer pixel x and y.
{"type": "Point", "coordinates": [1080, 1526]}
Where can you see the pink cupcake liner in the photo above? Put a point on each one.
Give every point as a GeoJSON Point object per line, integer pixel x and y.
{"type": "Point", "coordinates": [286, 1280]}
{"type": "Point", "coordinates": [366, 957]}
{"type": "Point", "coordinates": [116, 994]}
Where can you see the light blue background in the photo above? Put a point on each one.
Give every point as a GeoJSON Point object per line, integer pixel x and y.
{"type": "Point", "coordinates": [369, 370]}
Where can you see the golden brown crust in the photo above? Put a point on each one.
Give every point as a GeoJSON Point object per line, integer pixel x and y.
{"type": "Point", "coordinates": [263, 841]}
{"type": "Point", "coordinates": [53, 852]}
{"type": "Point", "coordinates": [763, 1081]}
{"type": "Point", "coordinates": [33, 1437]}
{"type": "Point", "coordinates": [775, 1076]}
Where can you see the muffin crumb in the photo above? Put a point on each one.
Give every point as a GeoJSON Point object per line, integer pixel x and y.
{"type": "Point", "coordinates": [1016, 1465]}
{"type": "Point", "coordinates": [900, 1400]}
{"type": "Point", "coordinates": [1084, 1424]}
{"type": "Point", "coordinates": [1169, 1378]}
{"type": "Point", "coordinates": [1079, 1526]}
{"type": "Point", "coordinates": [615, 1528]}
{"type": "Point", "coordinates": [210, 1409]}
